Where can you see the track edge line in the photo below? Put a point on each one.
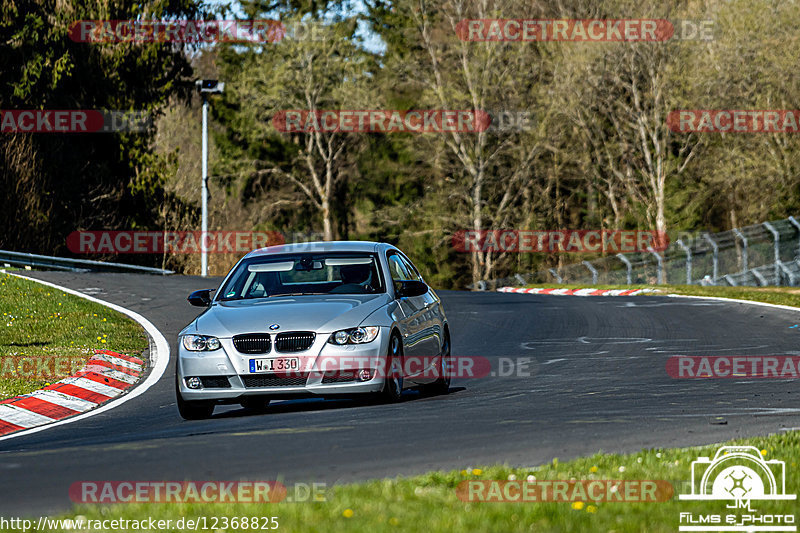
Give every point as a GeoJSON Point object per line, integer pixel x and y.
{"type": "Point", "coordinates": [159, 359]}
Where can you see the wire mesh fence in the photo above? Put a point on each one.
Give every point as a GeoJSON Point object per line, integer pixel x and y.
{"type": "Point", "coordinates": [758, 255]}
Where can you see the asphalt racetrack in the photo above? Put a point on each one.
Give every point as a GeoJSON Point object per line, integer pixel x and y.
{"type": "Point", "coordinates": [598, 382]}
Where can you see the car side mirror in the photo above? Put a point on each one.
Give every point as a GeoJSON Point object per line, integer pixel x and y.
{"type": "Point", "coordinates": [201, 298]}
{"type": "Point", "coordinates": [409, 288]}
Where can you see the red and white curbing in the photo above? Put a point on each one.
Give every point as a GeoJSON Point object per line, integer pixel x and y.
{"type": "Point", "coordinates": [579, 292]}
{"type": "Point", "coordinates": [106, 375]}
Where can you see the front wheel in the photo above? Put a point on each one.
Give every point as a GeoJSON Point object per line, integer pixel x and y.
{"type": "Point", "coordinates": [442, 383]}
{"type": "Point", "coordinates": [393, 382]}
{"type": "Point", "coordinates": [194, 409]}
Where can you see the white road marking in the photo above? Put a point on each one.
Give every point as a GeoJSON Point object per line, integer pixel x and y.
{"type": "Point", "coordinates": [92, 290]}
{"type": "Point", "coordinates": [666, 304]}
{"type": "Point", "coordinates": [701, 350]}
{"type": "Point", "coordinates": [613, 340]}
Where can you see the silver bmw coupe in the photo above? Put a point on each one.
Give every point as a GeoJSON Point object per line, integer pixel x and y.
{"type": "Point", "coordinates": [324, 319]}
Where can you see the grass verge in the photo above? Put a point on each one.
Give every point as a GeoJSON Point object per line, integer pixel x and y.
{"type": "Point", "coordinates": [47, 334]}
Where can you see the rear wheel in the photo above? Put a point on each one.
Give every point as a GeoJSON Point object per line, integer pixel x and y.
{"type": "Point", "coordinates": [393, 382]}
{"type": "Point", "coordinates": [192, 409]}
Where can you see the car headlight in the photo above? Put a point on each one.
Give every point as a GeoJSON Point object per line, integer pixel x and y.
{"type": "Point", "coordinates": [360, 335]}
{"type": "Point", "coordinates": [200, 343]}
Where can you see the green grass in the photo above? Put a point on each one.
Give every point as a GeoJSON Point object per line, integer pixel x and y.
{"type": "Point", "coordinates": [772, 295]}
{"type": "Point", "coordinates": [38, 323]}
{"type": "Point", "coordinates": [429, 502]}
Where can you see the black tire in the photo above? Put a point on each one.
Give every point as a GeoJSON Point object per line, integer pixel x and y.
{"type": "Point", "coordinates": [258, 404]}
{"type": "Point", "coordinates": [393, 382]}
{"type": "Point", "coordinates": [192, 409]}
{"type": "Point", "coordinates": [442, 383]}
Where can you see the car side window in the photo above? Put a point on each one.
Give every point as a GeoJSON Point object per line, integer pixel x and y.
{"type": "Point", "coordinates": [396, 268]}
{"type": "Point", "coordinates": [408, 267]}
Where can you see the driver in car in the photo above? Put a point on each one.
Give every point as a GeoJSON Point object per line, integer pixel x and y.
{"type": "Point", "coordinates": [355, 279]}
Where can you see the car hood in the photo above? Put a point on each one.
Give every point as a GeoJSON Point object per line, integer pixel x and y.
{"type": "Point", "coordinates": [319, 313]}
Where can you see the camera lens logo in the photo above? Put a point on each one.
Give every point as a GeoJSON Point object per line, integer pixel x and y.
{"type": "Point", "coordinates": [736, 486]}
{"type": "Point", "coordinates": [738, 473]}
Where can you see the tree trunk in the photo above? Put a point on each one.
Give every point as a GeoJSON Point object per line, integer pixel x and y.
{"type": "Point", "coordinates": [477, 223]}
{"type": "Point", "coordinates": [327, 223]}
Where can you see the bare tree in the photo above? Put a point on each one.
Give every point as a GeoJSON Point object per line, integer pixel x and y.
{"type": "Point", "coordinates": [308, 74]}
{"type": "Point", "coordinates": [619, 100]}
{"type": "Point", "coordinates": [492, 172]}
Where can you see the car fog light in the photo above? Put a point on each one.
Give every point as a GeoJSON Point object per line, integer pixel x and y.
{"type": "Point", "coordinates": [193, 383]}
{"type": "Point", "coordinates": [364, 375]}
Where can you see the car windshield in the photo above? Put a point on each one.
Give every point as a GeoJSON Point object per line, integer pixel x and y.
{"type": "Point", "coordinates": [303, 274]}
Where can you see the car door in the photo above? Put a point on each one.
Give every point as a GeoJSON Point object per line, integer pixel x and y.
{"type": "Point", "coordinates": [412, 326]}
{"type": "Point", "coordinates": [421, 342]}
{"type": "Point", "coordinates": [432, 320]}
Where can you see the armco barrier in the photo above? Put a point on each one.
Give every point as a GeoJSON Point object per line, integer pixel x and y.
{"type": "Point", "coordinates": [8, 258]}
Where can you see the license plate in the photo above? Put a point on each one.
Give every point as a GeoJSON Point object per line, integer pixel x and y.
{"type": "Point", "coordinates": [275, 364]}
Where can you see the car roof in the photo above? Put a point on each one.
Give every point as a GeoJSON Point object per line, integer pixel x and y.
{"type": "Point", "coordinates": [320, 246]}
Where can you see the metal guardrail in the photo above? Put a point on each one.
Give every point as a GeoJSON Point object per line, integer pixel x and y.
{"type": "Point", "coordinates": [8, 258]}
{"type": "Point", "coordinates": [758, 255]}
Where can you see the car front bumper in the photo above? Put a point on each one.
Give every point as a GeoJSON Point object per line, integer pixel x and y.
{"type": "Point", "coordinates": [228, 364]}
